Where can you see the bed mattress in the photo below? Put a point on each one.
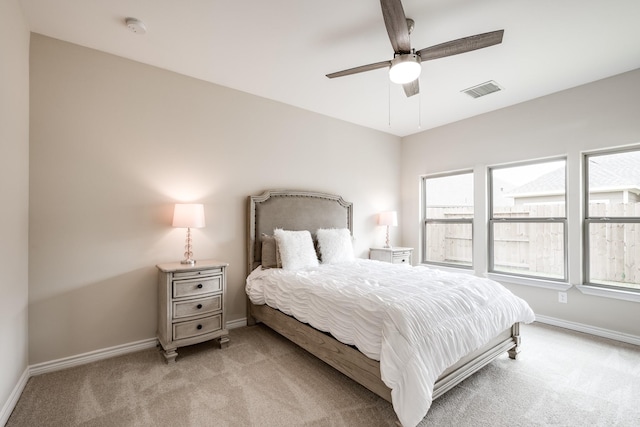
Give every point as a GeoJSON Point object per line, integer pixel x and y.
{"type": "Point", "coordinates": [416, 321]}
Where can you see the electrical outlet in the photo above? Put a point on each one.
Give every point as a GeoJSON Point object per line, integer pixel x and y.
{"type": "Point", "coordinates": [562, 297]}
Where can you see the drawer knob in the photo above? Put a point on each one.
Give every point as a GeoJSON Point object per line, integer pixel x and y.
{"type": "Point", "coordinates": [199, 306]}
{"type": "Point", "coordinates": [199, 327]}
{"type": "Point", "coordinates": [199, 285]}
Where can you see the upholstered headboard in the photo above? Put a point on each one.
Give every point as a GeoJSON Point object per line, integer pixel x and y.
{"type": "Point", "coordinates": [292, 210]}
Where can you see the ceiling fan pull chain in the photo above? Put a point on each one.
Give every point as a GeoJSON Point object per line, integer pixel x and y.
{"type": "Point", "coordinates": [389, 101]}
{"type": "Point", "coordinates": [420, 111]}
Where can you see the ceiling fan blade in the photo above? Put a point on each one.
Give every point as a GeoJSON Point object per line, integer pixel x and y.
{"type": "Point", "coordinates": [360, 69]}
{"type": "Point", "coordinates": [462, 45]}
{"type": "Point", "coordinates": [411, 88]}
{"type": "Point", "coordinates": [396, 23]}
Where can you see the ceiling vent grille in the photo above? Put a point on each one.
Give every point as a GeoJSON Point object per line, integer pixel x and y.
{"type": "Point", "coordinates": [482, 89]}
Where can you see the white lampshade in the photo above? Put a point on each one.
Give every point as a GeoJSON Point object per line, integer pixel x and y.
{"type": "Point", "coordinates": [388, 218]}
{"type": "Point", "coordinates": [188, 215]}
{"type": "Point", "coordinates": [405, 68]}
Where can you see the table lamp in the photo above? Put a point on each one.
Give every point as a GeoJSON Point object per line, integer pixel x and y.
{"type": "Point", "coordinates": [389, 218]}
{"type": "Point", "coordinates": [188, 215]}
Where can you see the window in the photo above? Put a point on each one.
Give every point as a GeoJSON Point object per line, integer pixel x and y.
{"type": "Point", "coordinates": [612, 220]}
{"type": "Point", "coordinates": [527, 220]}
{"type": "Point", "coordinates": [448, 219]}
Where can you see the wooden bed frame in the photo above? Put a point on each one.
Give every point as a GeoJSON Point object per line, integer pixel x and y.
{"type": "Point", "coordinates": [304, 210]}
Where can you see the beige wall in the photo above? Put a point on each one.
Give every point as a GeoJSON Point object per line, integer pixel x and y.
{"type": "Point", "coordinates": [115, 143]}
{"type": "Point", "coordinates": [601, 114]}
{"type": "Point", "coordinates": [14, 193]}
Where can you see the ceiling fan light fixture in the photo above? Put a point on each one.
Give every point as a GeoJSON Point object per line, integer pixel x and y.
{"type": "Point", "coordinates": [405, 68]}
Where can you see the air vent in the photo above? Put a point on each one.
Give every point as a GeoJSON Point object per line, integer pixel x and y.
{"type": "Point", "coordinates": [482, 89]}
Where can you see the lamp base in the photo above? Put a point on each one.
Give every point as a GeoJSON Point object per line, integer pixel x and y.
{"type": "Point", "coordinates": [387, 243]}
{"type": "Point", "coordinates": [187, 250]}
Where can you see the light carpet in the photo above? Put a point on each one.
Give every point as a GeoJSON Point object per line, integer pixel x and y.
{"type": "Point", "coordinates": [562, 378]}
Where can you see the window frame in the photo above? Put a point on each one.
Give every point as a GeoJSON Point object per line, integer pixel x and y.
{"type": "Point", "coordinates": [587, 220]}
{"type": "Point", "coordinates": [426, 221]}
{"type": "Point", "coordinates": [544, 220]}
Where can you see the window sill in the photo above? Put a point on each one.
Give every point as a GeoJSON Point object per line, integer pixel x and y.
{"type": "Point", "coordinates": [528, 281]}
{"type": "Point", "coordinates": [609, 293]}
{"type": "Point", "coordinates": [449, 269]}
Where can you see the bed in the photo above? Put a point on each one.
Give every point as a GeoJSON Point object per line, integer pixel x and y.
{"type": "Point", "coordinates": [305, 210]}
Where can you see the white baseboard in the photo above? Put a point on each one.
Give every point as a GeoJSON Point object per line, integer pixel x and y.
{"type": "Point", "coordinates": [92, 356]}
{"type": "Point", "coordinates": [12, 401]}
{"type": "Point", "coordinates": [239, 323]}
{"type": "Point", "coordinates": [588, 329]}
{"type": "Point", "coordinates": [105, 353]}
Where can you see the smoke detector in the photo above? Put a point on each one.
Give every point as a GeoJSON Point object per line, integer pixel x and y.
{"type": "Point", "coordinates": [136, 26]}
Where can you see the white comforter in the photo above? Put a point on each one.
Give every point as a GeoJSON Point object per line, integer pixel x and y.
{"type": "Point", "coordinates": [416, 321]}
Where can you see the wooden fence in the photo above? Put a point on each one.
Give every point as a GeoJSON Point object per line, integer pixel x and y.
{"type": "Point", "coordinates": [538, 248]}
{"type": "Point", "coordinates": [614, 247]}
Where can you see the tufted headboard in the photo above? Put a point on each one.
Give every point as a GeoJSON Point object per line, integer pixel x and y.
{"type": "Point", "coordinates": [292, 210]}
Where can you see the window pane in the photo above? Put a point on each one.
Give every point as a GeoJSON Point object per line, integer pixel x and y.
{"type": "Point", "coordinates": [614, 185]}
{"type": "Point", "coordinates": [534, 190]}
{"type": "Point", "coordinates": [614, 254]}
{"type": "Point", "coordinates": [449, 243]}
{"type": "Point", "coordinates": [449, 201]}
{"type": "Point", "coordinates": [532, 249]}
{"type": "Point", "coordinates": [449, 191]}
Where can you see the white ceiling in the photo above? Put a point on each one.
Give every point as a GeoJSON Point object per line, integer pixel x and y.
{"type": "Point", "coordinates": [282, 49]}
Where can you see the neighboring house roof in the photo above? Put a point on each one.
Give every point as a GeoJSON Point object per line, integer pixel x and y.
{"type": "Point", "coordinates": [607, 172]}
{"type": "Point", "coordinates": [549, 183]}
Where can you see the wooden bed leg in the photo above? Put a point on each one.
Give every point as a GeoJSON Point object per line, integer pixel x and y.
{"type": "Point", "coordinates": [515, 334]}
{"type": "Point", "coordinates": [250, 319]}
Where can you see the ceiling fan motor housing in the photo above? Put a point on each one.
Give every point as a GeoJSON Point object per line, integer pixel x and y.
{"type": "Point", "coordinates": [405, 68]}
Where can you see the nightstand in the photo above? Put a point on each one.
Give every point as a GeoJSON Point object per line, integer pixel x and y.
{"type": "Point", "coordinates": [191, 305]}
{"type": "Point", "coordinates": [395, 255]}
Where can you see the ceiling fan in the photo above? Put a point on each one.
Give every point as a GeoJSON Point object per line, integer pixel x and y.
{"type": "Point", "coordinates": [405, 66]}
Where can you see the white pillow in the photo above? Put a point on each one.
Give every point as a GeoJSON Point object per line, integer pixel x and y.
{"type": "Point", "coordinates": [335, 245]}
{"type": "Point", "coordinates": [296, 249]}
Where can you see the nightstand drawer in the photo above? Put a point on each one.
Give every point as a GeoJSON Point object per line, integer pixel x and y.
{"type": "Point", "coordinates": [196, 307]}
{"type": "Point", "coordinates": [197, 273]}
{"type": "Point", "coordinates": [195, 287]}
{"type": "Point", "coordinates": [402, 257]}
{"type": "Point", "coordinates": [197, 327]}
